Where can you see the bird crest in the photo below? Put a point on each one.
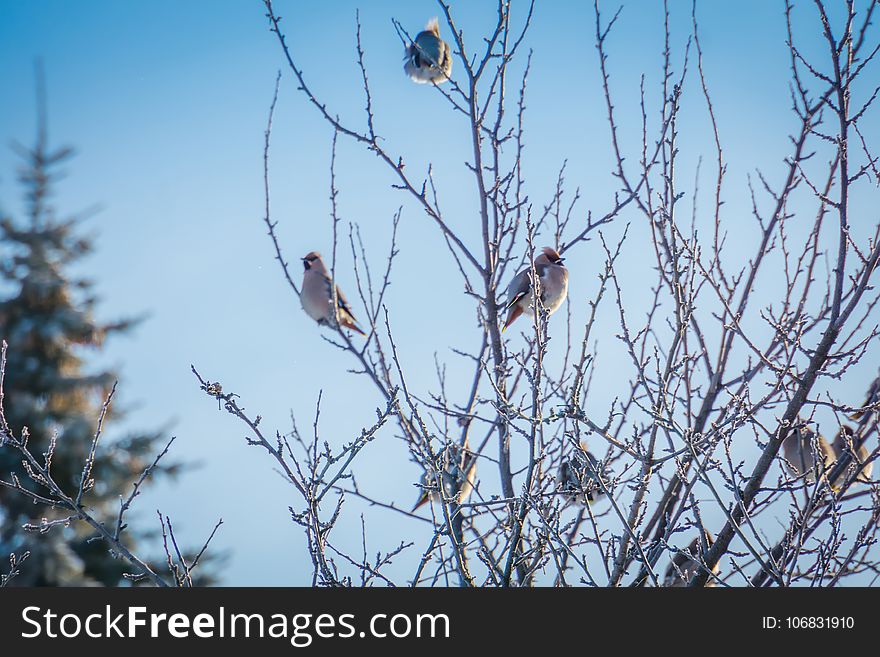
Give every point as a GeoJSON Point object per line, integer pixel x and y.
{"type": "Point", "coordinates": [433, 25]}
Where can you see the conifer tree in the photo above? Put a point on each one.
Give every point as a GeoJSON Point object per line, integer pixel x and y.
{"type": "Point", "coordinates": [47, 317]}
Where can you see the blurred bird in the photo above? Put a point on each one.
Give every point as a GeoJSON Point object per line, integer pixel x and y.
{"type": "Point", "coordinates": [800, 453]}
{"type": "Point", "coordinates": [317, 296]}
{"type": "Point", "coordinates": [458, 477]}
{"type": "Point", "coordinates": [843, 444]}
{"type": "Point", "coordinates": [683, 567]}
{"type": "Point", "coordinates": [577, 478]}
{"type": "Point", "coordinates": [553, 280]}
{"type": "Point", "coordinates": [428, 58]}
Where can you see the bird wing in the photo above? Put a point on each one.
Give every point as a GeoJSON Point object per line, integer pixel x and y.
{"type": "Point", "coordinates": [518, 288]}
{"type": "Point", "coordinates": [411, 55]}
{"type": "Point", "coordinates": [345, 315]}
{"type": "Point", "coordinates": [342, 302]}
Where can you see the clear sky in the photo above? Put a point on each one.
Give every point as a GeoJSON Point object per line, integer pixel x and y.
{"type": "Point", "coordinates": [166, 103]}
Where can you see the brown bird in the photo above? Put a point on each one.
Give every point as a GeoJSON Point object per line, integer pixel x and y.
{"type": "Point", "coordinates": [800, 453]}
{"type": "Point", "coordinates": [843, 444]}
{"type": "Point", "coordinates": [458, 477]}
{"type": "Point", "coordinates": [686, 565]}
{"type": "Point", "coordinates": [317, 296]}
{"type": "Point", "coordinates": [578, 478]}
{"type": "Point", "coordinates": [553, 281]}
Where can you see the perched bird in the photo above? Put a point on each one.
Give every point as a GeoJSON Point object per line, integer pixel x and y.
{"type": "Point", "coordinates": [577, 478]}
{"type": "Point", "coordinates": [685, 565]}
{"type": "Point", "coordinates": [458, 477]}
{"type": "Point", "coordinates": [428, 58]}
{"type": "Point", "coordinates": [553, 280]}
{"type": "Point", "coordinates": [317, 296]}
{"type": "Point", "coordinates": [800, 453]}
{"type": "Point", "coordinates": [843, 444]}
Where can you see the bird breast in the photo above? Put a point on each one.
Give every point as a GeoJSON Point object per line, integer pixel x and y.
{"type": "Point", "coordinates": [316, 298]}
{"type": "Point", "coordinates": [554, 288]}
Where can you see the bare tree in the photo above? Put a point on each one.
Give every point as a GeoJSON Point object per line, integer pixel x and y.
{"type": "Point", "coordinates": [718, 383]}
{"type": "Point", "coordinates": [732, 416]}
{"type": "Point", "coordinates": [69, 507]}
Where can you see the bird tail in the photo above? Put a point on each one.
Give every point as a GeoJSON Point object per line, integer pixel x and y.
{"type": "Point", "coordinates": [433, 25]}
{"type": "Point", "coordinates": [350, 323]}
{"type": "Point", "coordinates": [423, 498]}
{"type": "Point", "coordinates": [515, 312]}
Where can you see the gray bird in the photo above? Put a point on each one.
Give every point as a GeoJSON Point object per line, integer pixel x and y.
{"type": "Point", "coordinates": [683, 567]}
{"type": "Point", "coordinates": [553, 280]}
{"type": "Point", "coordinates": [800, 452]}
{"type": "Point", "coordinates": [317, 296]}
{"type": "Point", "coordinates": [843, 444]}
{"type": "Point", "coordinates": [428, 58]}
{"type": "Point", "coordinates": [458, 477]}
{"type": "Point", "coordinates": [577, 478]}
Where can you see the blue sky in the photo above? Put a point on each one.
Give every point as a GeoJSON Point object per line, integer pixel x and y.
{"type": "Point", "coordinates": [166, 103]}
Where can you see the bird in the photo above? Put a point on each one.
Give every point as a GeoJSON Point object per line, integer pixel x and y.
{"type": "Point", "coordinates": [553, 279]}
{"type": "Point", "coordinates": [428, 58]}
{"type": "Point", "coordinates": [578, 478]}
{"type": "Point", "coordinates": [317, 296]}
{"type": "Point", "coordinates": [685, 565]}
{"type": "Point", "coordinates": [843, 444]}
{"type": "Point", "coordinates": [458, 477]}
{"type": "Point", "coordinates": [800, 453]}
